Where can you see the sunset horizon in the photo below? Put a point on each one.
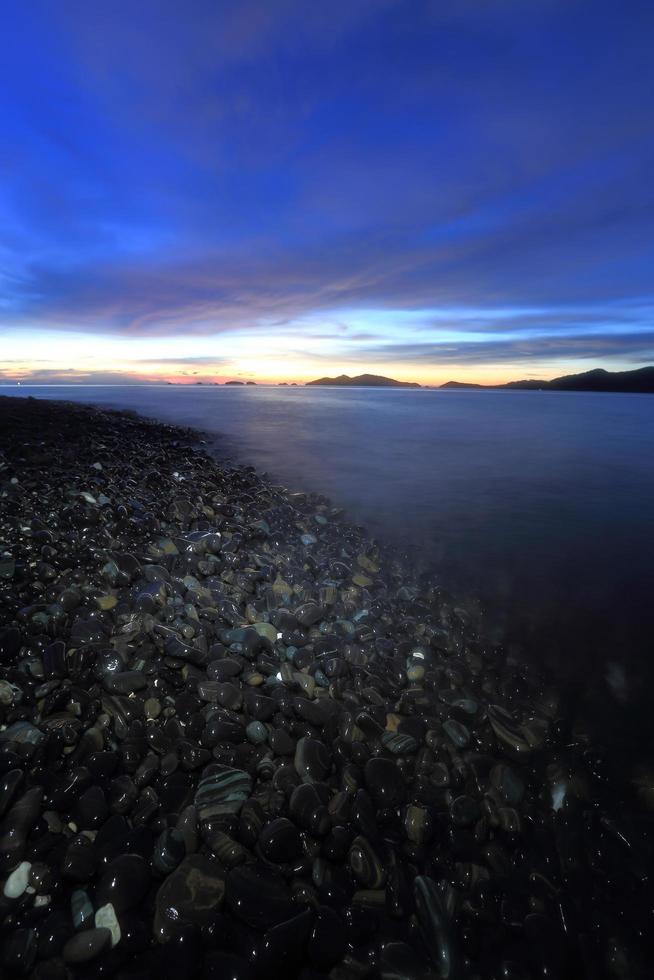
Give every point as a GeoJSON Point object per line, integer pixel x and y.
{"type": "Point", "coordinates": [79, 377]}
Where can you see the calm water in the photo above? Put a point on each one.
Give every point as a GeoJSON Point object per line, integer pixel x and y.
{"type": "Point", "coordinates": [541, 503]}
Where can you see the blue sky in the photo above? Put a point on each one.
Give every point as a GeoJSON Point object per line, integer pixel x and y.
{"type": "Point", "coordinates": [281, 188]}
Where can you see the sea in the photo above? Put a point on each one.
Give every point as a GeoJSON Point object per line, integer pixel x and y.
{"type": "Point", "coordinates": [534, 508]}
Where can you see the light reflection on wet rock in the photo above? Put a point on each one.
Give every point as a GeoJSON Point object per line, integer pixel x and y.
{"type": "Point", "coordinates": [237, 738]}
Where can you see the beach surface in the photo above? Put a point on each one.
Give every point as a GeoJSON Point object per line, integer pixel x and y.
{"type": "Point", "coordinates": [240, 738]}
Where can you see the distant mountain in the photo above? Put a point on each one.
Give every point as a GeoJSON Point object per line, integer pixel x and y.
{"type": "Point", "coordinates": [235, 382]}
{"type": "Point", "coordinates": [363, 381]}
{"type": "Point", "coordinates": [460, 384]}
{"type": "Point", "coordinates": [640, 381]}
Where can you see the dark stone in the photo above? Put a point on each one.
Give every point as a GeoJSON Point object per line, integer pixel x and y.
{"type": "Point", "coordinates": [191, 895]}
{"type": "Point", "coordinates": [258, 896]}
{"type": "Point", "coordinates": [327, 940]}
{"type": "Point", "coordinates": [124, 883]}
{"type": "Point", "coordinates": [280, 841]}
{"type": "Point", "coordinates": [384, 782]}
{"type": "Point", "coordinates": [86, 945]}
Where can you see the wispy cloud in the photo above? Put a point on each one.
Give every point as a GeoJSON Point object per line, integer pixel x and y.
{"type": "Point", "coordinates": [56, 376]}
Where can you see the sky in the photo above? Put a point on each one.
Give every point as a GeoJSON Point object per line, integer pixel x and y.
{"type": "Point", "coordinates": [284, 189]}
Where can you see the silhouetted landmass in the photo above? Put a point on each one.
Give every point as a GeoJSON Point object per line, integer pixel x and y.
{"type": "Point", "coordinates": [460, 384]}
{"type": "Point", "coordinates": [235, 382]}
{"type": "Point", "coordinates": [640, 381]}
{"type": "Point", "coordinates": [364, 381]}
{"type": "Point", "coordinates": [250, 382]}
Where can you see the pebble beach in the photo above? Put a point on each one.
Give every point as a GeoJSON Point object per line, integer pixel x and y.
{"type": "Point", "coordinates": [240, 738]}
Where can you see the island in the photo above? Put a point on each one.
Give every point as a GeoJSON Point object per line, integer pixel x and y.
{"type": "Point", "coordinates": [639, 381]}
{"type": "Point", "coordinates": [235, 382]}
{"type": "Point", "coordinates": [363, 381]}
{"type": "Point", "coordinates": [462, 384]}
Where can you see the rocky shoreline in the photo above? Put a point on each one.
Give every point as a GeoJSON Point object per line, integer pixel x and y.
{"type": "Point", "coordinates": [238, 740]}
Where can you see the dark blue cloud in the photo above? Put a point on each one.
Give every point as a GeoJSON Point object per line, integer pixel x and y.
{"type": "Point", "coordinates": [211, 165]}
{"type": "Point", "coordinates": [634, 347]}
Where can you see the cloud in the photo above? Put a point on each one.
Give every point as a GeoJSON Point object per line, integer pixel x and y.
{"type": "Point", "coordinates": [179, 361]}
{"type": "Point", "coordinates": [256, 167]}
{"type": "Point", "coordinates": [65, 376]}
{"type": "Point", "coordinates": [636, 347]}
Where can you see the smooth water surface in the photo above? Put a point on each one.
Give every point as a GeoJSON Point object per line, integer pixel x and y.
{"type": "Point", "coordinates": [542, 503]}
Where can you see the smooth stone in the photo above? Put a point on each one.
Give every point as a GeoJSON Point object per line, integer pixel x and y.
{"type": "Point", "coordinates": [336, 844]}
{"type": "Point", "coordinates": [80, 859]}
{"type": "Point", "coordinates": [41, 878]}
{"type": "Point", "coordinates": [124, 883]}
{"type": "Point", "coordinates": [259, 706]}
{"type": "Point", "coordinates": [126, 682]}
{"type": "Point", "coordinates": [227, 850]}
{"type": "Point", "coordinates": [400, 962]}
{"type": "Point", "coordinates": [54, 929]}
{"type": "Point", "coordinates": [363, 814]}
{"type": "Point", "coordinates": [226, 966]}
{"type": "Point", "coordinates": [86, 945]}
{"type": "Point", "coordinates": [280, 841]}
{"type": "Point", "coordinates": [281, 742]}
{"type": "Point", "coordinates": [251, 821]}
{"type": "Point", "coordinates": [509, 820]}
{"type": "Point", "coordinates": [365, 864]}
{"type": "Point", "coordinates": [169, 851]}
{"type": "Point", "coordinates": [91, 810]}
{"type": "Point", "coordinates": [19, 951]}
{"type": "Point", "coordinates": [435, 928]}
{"type": "Point", "coordinates": [22, 732]}
{"type": "Point", "coordinates": [222, 728]}
{"type": "Point", "coordinates": [312, 760]}
{"type": "Point", "coordinates": [152, 708]}
{"type": "Point", "coordinates": [16, 825]}
{"type": "Point", "coordinates": [384, 782]}
{"type": "Point", "coordinates": [457, 733]}
{"type": "Point", "coordinates": [105, 918]}
{"type": "Point", "coordinates": [267, 630]}
{"type": "Point", "coordinates": [212, 691]}
{"type": "Point", "coordinates": [464, 811]}
{"type": "Point", "coordinates": [283, 946]}
{"type": "Point", "coordinates": [417, 824]}
{"type": "Point", "coordinates": [222, 792]}
{"type": "Point", "coordinates": [223, 670]}
{"type": "Point", "coordinates": [399, 744]}
{"type": "Point", "coordinates": [327, 939]}
{"type": "Point", "coordinates": [81, 908]}
{"type": "Point", "coordinates": [17, 881]}
{"type": "Point", "coordinates": [308, 614]}
{"type": "Point", "coordinates": [9, 785]}
{"type": "Point", "coordinates": [258, 896]}
{"type": "Point", "coordinates": [191, 896]}
{"type": "Point", "coordinates": [508, 784]}
{"type": "Point", "coordinates": [315, 712]}
{"type": "Point", "coordinates": [256, 732]}
{"type": "Point", "coordinates": [512, 735]}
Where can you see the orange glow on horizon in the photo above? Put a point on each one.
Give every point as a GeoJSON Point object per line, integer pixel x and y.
{"type": "Point", "coordinates": [494, 375]}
